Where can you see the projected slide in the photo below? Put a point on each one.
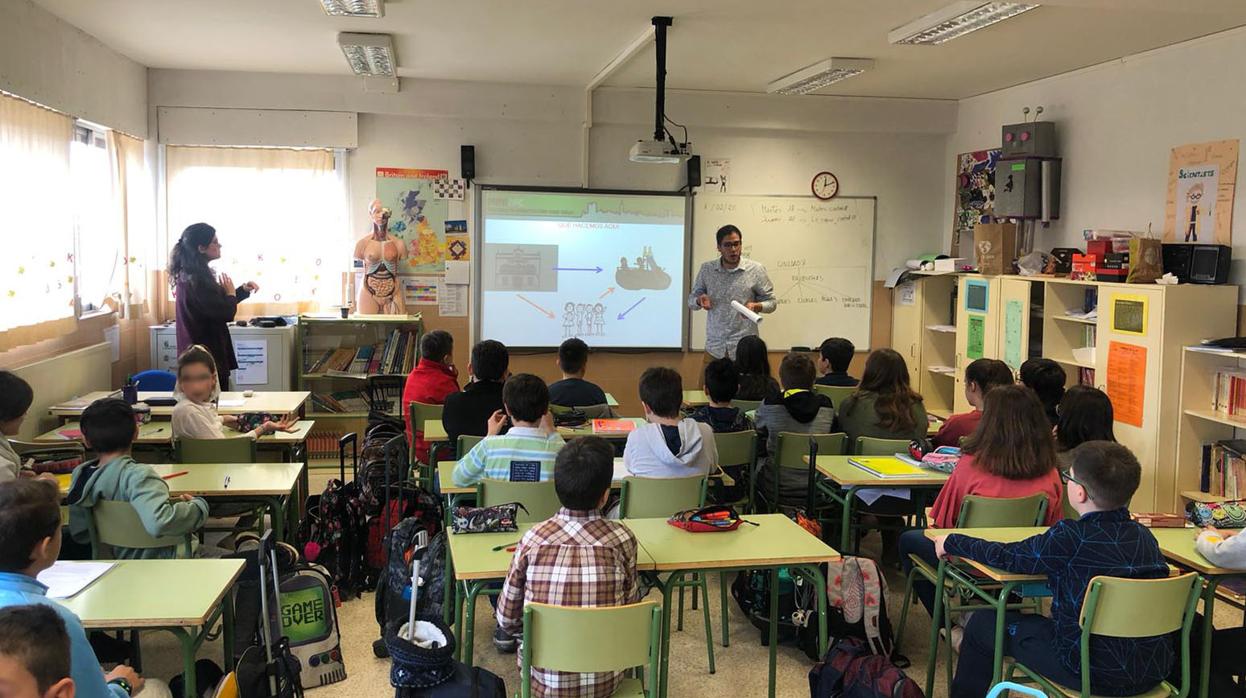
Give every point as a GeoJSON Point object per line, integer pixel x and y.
{"type": "Point", "coordinates": [607, 268]}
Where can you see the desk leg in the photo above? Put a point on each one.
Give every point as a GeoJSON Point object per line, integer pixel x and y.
{"type": "Point", "coordinates": [1209, 615]}
{"type": "Point", "coordinates": [188, 661]}
{"type": "Point", "coordinates": [935, 615]}
{"type": "Point", "coordinates": [774, 624]}
{"type": "Point", "coordinates": [845, 533]}
{"type": "Point", "coordinates": [1001, 612]}
{"type": "Point", "coordinates": [448, 610]}
{"type": "Point", "coordinates": [664, 648]}
{"type": "Point", "coordinates": [227, 631]}
{"type": "Point", "coordinates": [458, 616]}
{"type": "Point", "coordinates": [469, 620]}
{"type": "Point", "coordinates": [278, 514]}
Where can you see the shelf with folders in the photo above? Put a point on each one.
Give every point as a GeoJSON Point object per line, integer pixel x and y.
{"type": "Point", "coordinates": [338, 356]}
{"type": "Point", "coordinates": [1211, 460]}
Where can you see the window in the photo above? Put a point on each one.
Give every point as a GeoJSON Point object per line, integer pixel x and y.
{"type": "Point", "coordinates": [100, 249]}
{"type": "Point", "coordinates": [279, 214]}
{"type": "Point", "coordinates": [36, 269]}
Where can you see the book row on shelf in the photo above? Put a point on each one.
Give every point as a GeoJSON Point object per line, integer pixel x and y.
{"type": "Point", "coordinates": [322, 445]}
{"type": "Point", "coordinates": [1224, 469]}
{"type": "Point", "coordinates": [1228, 395]}
{"type": "Point", "coordinates": [395, 355]}
{"type": "Point", "coordinates": [340, 401]}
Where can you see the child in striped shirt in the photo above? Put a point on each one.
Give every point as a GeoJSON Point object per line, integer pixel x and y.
{"type": "Point", "coordinates": [526, 452]}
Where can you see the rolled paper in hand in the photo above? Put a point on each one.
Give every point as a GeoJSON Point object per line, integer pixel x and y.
{"type": "Point", "coordinates": [743, 310]}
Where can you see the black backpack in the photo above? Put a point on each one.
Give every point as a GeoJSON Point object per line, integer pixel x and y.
{"type": "Point", "coordinates": [333, 532]}
{"type": "Point", "coordinates": [466, 682]}
{"type": "Point", "coordinates": [798, 607]}
{"type": "Point", "coordinates": [392, 606]}
{"type": "Point", "coordinates": [851, 670]}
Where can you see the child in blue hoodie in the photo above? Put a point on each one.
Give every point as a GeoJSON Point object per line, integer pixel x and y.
{"type": "Point", "coordinates": [109, 428]}
{"type": "Point", "coordinates": [668, 446]}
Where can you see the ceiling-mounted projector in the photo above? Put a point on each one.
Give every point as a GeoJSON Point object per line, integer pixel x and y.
{"type": "Point", "coordinates": [658, 151]}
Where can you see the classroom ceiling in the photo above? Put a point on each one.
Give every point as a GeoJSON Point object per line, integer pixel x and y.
{"type": "Point", "coordinates": [731, 45]}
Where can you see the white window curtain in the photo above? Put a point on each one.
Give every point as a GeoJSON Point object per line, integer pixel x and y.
{"type": "Point", "coordinates": [138, 221]}
{"type": "Point", "coordinates": [36, 224]}
{"type": "Point", "coordinates": [99, 225]}
{"type": "Point", "coordinates": [279, 214]}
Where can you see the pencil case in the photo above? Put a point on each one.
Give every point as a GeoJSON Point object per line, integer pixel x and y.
{"type": "Point", "coordinates": [1218, 514]}
{"type": "Point", "coordinates": [706, 519]}
{"type": "Point", "coordinates": [499, 518]}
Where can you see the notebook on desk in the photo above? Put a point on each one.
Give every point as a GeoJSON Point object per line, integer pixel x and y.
{"type": "Point", "coordinates": [613, 426]}
{"type": "Point", "coordinates": [886, 467]}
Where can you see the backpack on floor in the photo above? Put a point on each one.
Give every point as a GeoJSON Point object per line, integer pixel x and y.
{"type": "Point", "coordinates": [392, 602]}
{"type": "Point", "coordinates": [466, 682]}
{"type": "Point", "coordinates": [856, 595]}
{"type": "Point", "coordinates": [798, 607]}
{"type": "Point", "coordinates": [407, 502]}
{"type": "Point", "coordinates": [333, 532]}
{"type": "Point", "coordinates": [851, 670]}
{"type": "Point", "coordinates": [266, 668]}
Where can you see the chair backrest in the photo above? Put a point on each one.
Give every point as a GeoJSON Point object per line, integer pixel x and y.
{"type": "Point", "coordinates": [602, 411]}
{"type": "Point", "coordinates": [385, 393]}
{"type": "Point", "coordinates": [837, 393]}
{"type": "Point", "coordinates": [794, 446]}
{"type": "Point", "coordinates": [1112, 604]}
{"type": "Point", "coordinates": [466, 443]}
{"type": "Point", "coordinates": [566, 638]}
{"type": "Point", "coordinates": [1000, 512]}
{"type": "Point", "coordinates": [421, 411]}
{"type": "Point", "coordinates": [650, 497]}
{"type": "Point", "coordinates": [736, 447]}
{"type": "Point", "coordinates": [870, 446]}
{"type": "Point", "coordinates": [155, 380]}
{"type": "Point", "coordinates": [116, 524]}
{"type": "Point", "coordinates": [239, 449]}
{"type": "Point", "coordinates": [539, 498]}
{"type": "Point", "coordinates": [746, 405]}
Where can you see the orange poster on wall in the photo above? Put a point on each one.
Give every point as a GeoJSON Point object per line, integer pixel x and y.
{"type": "Point", "coordinates": [1127, 381]}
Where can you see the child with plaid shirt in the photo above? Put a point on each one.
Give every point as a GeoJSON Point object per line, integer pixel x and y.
{"type": "Point", "coordinates": [576, 558]}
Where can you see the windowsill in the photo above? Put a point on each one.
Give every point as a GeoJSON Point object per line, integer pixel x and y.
{"type": "Point", "coordinates": [98, 312]}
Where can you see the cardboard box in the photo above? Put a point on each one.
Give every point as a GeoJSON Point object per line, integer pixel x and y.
{"type": "Point", "coordinates": [994, 247]}
{"type": "Point", "coordinates": [1113, 267]}
{"type": "Point", "coordinates": [1084, 267]}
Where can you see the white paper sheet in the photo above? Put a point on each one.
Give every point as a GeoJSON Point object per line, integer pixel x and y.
{"type": "Point", "coordinates": [451, 299]}
{"type": "Point", "coordinates": [458, 272]}
{"type": "Point", "coordinates": [65, 579]}
{"type": "Point", "coordinates": [112, 335]}
{"type": "Point", "coordinates": [741, 309]}
{"type": "Point", "coordinates": [252, 362]}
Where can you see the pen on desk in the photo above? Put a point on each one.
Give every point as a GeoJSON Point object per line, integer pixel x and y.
{"type": "Point", "coordinates": [170, 476]}
{"type": "Point", "coordinates": [509, 546]}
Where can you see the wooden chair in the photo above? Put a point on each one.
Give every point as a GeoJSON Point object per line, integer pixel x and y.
{"type": "Point", "coordinates": [837, 393]}
{"type": "Point", "coordinates": [563, 638]}
{"type": "Point", "coordinates": [651, 498]}
{"type": "Point", "coordinates": [1112, 609]}
{"type": "Point", "coordinates": [539, 498]}
{"type": "Point", "coordinates": [116, 524]}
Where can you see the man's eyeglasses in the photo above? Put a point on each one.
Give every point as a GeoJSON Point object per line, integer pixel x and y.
{"type": "Point", "coordinates": [737, 243]}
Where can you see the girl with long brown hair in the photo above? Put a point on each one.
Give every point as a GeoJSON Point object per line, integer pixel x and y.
{"type": "Point", "coordinates": [885, 406]}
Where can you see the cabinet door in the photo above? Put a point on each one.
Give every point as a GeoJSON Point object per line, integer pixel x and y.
{"type": "Point", "coordinates": [1014, 321]}
{"type": "Point", "coordinates": [976, 328]}
{"type": "Point", "coordinates": [1127, 365]}
{"type": "Point", "coordinates": [906, 326]}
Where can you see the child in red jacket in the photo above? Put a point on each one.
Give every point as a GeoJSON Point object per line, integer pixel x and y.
{"type": "Point", "coordinates": [432, 379]}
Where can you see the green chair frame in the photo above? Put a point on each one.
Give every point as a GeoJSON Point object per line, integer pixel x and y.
{"type": "Point", "coordinates": [574, 642]}
{"type": "Point", "coordinates": [837, 393]}
{"type": "Point", "coordinates": [117, 524]}
{"type": "Point", "coordinates": [421, 412]}
{"type": "Point", "coordinates": [745, 405]}
{"type": "Point", "coordinates": [538, 498]}
{"type": "Point", "coordinates": [466, 443]}
{"type": "Point", "coordinates": [739, 448]}
{"type": "Point", "coordinates": [870, 446]}
{"type": "Point", "coordinates": [792, 449]}
{"type": "Point", "coordinates": [1111, 609]}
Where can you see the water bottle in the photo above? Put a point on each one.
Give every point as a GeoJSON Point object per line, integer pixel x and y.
{"type": "Point", "coordinates": [129, 391]}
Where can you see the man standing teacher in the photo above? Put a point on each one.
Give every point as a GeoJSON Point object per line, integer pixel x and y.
{"type": "Point", "coordinates": [730, 278]}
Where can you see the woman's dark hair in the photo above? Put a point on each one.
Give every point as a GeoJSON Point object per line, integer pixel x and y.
{"type": "Point", "coordinates": [1013, 439]}
{"type": "Point", "coordinates": [30, 510]}
{"type": "Point", "coordinates": [1085, 414]}
{"type": "Point", "coordinates": [16, 396]}
{"type": "Point", "coordinates": [196, 354]}
{"type": "Point", "coordinates": [887, 376]}
{"type": "Point", "coordinates": [186, 262]}
{"type": "Point", "coordinates": [751, 357]}
{"type": "Point", "coordinates": [988, 373]}
{"type": "Point", "coordinates": [1046, 378]}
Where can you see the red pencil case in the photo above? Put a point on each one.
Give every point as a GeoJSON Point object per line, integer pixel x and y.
{"type": "Point", "coordinates": [707, 519]}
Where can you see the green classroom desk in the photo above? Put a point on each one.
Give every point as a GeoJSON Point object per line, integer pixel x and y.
{"type": "Point", "coordinates": [1177, 544]}
{"type": "Point", "coordinates": [159, 433]}
{"type": "Point", "coordinates": [269, 484]}
{"type": "Point", "coordinates": [183, 597]}
{"type": "Point", "coordinates": [234, 402]}
{"type": "Point", "coordinates": [696, 398]}
{"type": "Point", "coordinates": [1007, 582]}
{"type": "Point", "coordinates": [774, 543]}
{"type": "Point", "coordinates": [843, 479]}
{"type": "Point", "coordinates": [435, 433]}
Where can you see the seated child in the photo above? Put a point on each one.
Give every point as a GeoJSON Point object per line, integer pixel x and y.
{"type": "Point", "coordinates": [16, 397]}
{"type": "Point", "coordinates": [1084, 414]}
{"type": "Point", "coordinates": [1009, 455]}
{"type": "Point", "coordinates": [573, 390]}
{"type": "Point", "coordinates": [34, 653]}
{"type": "Point", "coordinates": [432, 379]}
{"type": "Point", "coordinates": [195, 415]}
{"type": "Point", "coordinates": [1104, 541]}
{"type": "Point", "coordinates": [1227, 549]}
{"type": "Point", "coordinates": [468, 411]}
{"type": "Point", "coordinates": [980, 376]}
{"type": "Point", "coordinates": [721, 383]}
{"type": "Point", "coordinates": [668, 445]}
{"type": "Point", "coordinates": [30, 541]}
{"type": "Point", "coordinates": [797, 409]}
{"type": "Point", "coordinates": [752, 362]}
{"type": "Point", "coordinates": [836, 356]}
{"type": "Point", "coordinates": [885, 405]}
{"type": "Point", "coordinates": [576, 558]}
{"type": "Point", "coordinates": [526, 452]}
{"type": "Point", "coordinates": [109, 428]}
{"type": "Point", "coordinates": [1046, 378]}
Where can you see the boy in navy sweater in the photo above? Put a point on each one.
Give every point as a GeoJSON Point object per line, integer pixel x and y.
{"type": "Point", "coordinates": [1104, 541]}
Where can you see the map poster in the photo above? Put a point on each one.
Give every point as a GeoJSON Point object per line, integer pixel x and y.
{"type": "Point", "coordinates": [1202, 179]}
{"type": "Point", "coordinates": [419, 218]}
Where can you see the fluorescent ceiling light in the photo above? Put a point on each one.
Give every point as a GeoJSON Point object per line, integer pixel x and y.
{"type": "Point", "coordinates": [819, 75]}
{"type": "Point", "coordinates": [956, 20]}
{"type": "Point", "coordinates": [354, 8]}
{"type": "Point", "coordinates": [370, 55]}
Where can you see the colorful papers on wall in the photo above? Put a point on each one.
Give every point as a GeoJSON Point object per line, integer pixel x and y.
{"type": "Point", "coordinates": [419, 289]}
{"type": "Point", "coordinates": [419, 217]}
{"type": "Point", "coordinates": [1126, 385]}
{"type": "Point", "coordinates": [451, 299]}
{"type": "Point", "coordinates": [1012, 334]}
{"type": "Point", "coordinates": [977, 336]}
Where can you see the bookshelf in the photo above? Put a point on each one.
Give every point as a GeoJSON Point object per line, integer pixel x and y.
{"type": "Point", "coordinates": [1200, 423]}
{"type": "Point", "coordinates": [333, 368]}
{"type": "Point", "coordinates": [924, 331]}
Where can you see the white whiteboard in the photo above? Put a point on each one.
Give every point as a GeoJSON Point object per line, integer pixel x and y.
{"type": "Point", "coordinates": [819, 255]}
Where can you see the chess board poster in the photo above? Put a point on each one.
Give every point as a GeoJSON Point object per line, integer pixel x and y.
{"type": "Point", "coordinates": [419, 216]}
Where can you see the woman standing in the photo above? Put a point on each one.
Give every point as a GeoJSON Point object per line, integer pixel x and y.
{"type": "Point", "coordinates": [205, 304]}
